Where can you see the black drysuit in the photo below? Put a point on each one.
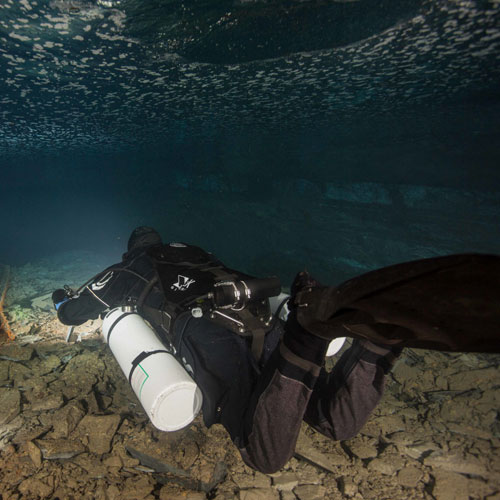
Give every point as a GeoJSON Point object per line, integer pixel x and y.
{"type": "Point", "coordinates": [261, 404]}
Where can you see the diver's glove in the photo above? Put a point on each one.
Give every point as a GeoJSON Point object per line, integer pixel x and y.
{"type": "Point", "coordinates": [298, 339]}
{"type": "Point", "coordinates": [61, 295]}
{"type": "Point", "coordinates": [303, 280]}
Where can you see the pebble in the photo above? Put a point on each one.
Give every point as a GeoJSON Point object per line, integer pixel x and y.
{"type": "Point", "coordinates": [362, 449]}
{"type": "Point", "coordinates": [34, 453]}
{"type": "Point", "coordinates": [409, 476]}
{"type": "Point", "coordinates": [54, 449]}
{"type": "Point", "coordinates": [310, 492]}
{"type": "Point", "coordinates": [14, 352]}
{"type": "Point", "coordinates": [285, 481]}
{"type": "Point", "coordinates": [348, 487]}
{"type": "Point", "coordinates": [98, 431]}
{"type": "Point", "coordinates": [383, 466]}
{"type": "Point", "coordinates": [450, 486]}
{"type": "Point", "coordinates": [244, 481]}
{"type": "Point", "coordinates": [259, 494]}
{"type": "Point", "coordinates": [10, 404]}
{"type": "Point", "coordinates": [52, 402]}
{"type": "Point", "coordinates": [4, 371]}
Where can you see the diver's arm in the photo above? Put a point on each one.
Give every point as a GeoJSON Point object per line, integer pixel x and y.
{"type": "Point", "coordinates": [77, 310]}
{"type": "Point", "coordinates": [97, 296]}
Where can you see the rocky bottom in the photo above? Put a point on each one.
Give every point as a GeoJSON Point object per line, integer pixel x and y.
{"type": "Point", "coordinates": [71, 427]}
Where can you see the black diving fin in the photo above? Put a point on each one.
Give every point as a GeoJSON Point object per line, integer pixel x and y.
{"type": "Point", "coordinates": [449, 303]}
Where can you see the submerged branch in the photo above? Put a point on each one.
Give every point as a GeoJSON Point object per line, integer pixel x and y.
{"type": "Point", "coordinates": [4, 324]}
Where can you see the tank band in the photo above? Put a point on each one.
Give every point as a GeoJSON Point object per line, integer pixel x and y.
{"type": "Point", "coordinates": [141, 357]}
{"type": "Point", "coordinates": [117, 320]}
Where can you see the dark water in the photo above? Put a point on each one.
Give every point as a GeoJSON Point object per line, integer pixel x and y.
{"type": "Point", "coordinates": [338, 136]}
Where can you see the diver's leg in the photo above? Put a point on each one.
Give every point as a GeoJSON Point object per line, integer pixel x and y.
{"type": "Point", "coordinates": [271, 424]}
{"type": "Point", "coordinates": [343, 399]}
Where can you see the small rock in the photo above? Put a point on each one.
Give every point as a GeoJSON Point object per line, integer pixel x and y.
{"type": "Point", "coordinates": [481, 489]}
{"type": "Point", "coordinates": [14, 352]}
{"type": "Point", "coordinates": [257, 480]}
{"type": "Point", "coordinates": [286, 481]}
{"type": "Point", "coordinates": [137, 489]}
{"type": "Point", "coordinates": [159, 463]}
{"type": "Point", "coordinates": [99, 430]}
{"type": "Point", "coordinates": [348, 488]}
{"type": "Point", "coordinates": [92, 403]}
{"type": "Point", "coordinates": [34, 389]}
{"type": "Point", "coordinates": [449, 486]}
{"type": "Point", "coordinates": [34, 488]}
{"type": "Point", "coordinates": [186, 454]}
{"type": "Point", "coordinates": [195, 495]}
{"type": "Point", "coordinates": [459, 464]}
{"type": "Point", "coordinates": [113, 493]}
{"type": "Point", "coordinates": [308, 474]}
{"type": "Point", "coordinates": [259, 494]}
{"type": "Point", "coordinates": [172, 491]}
{"type": "Point", "coordinates": [490, 398]}
{"type": "Point", "coordinates": [105, 402]}
{"type": "Point", "coordinates": [43, 302]}
{"type": "Point", "coordinates": [79, 376]}
{"type": "Point", "coordinates": [310, 492]}
{"type": "Point", "coordinates": [441, 383]}
{"type": "Point", "coordinates": [418, 449]}
{"type": "Point", "coordinates": [94, 467]}
{"type": "Point", "coordinates": [407, 375]}
{"type": "Point", "coordinates": [66, 419]}
{"type": "Point", "coordinates": [52, 402]}
{"type": "Point", "coordinates": [409, 476]}
{"type": "Point", "coordinates": [10, 404]}
{"type": "Point", "coordinates": [48, 364]}
{"type": "Point", "coordinates": [113, 461]}
{"type": "Point", "coordinates": [32, 429]}
{"type": "Point", "coordinates": [128, 461]}
{"type": "Point", "coordinates": [205, 471]}
{"type": "Point", "coordinates": [34, 453]}
{"type": "Point", "coordinates": [386, 467]}
{"type": "Point", "coordinates": [408, 413]}
{"type": "Point", "coordinates": [10, 432]}
{"type": "Point", "coordinates": [454, 411]}
{"type": "Point", "coordinates": [4, 370]}
{"type": "Point", "coordinates": [19, 373]}
{"type": "Point", "coordinates": [400, 438]}
{"type": "Point", "coordinates": [483, 379]}
{"type": "Point", "coordinates": [362, 449]}
{"type": "Point", "coordinates": [305, 449]}
{"type": "Point", "coordinates": [53, 449]}
{"type": "Point", "coordinates": [391, 424]}
{"type": "Point", "coordinates": [469, 430]}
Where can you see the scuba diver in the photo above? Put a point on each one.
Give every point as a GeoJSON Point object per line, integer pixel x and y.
{"type": "Point", "coordinates": [259, 376]}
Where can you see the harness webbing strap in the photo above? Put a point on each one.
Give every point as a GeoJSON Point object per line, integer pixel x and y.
{"type": "Point", "coordinates": [258, 337]}
{"type": "Point", "coordinates": [161, 320]}
{"type": "Point", "coordinates": [141, 357]}
{"type": "Point", "coordinates": [149, 286]}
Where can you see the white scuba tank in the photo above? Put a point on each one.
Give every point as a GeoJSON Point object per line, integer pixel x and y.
{"type": "Point", "coordinates": [334, 346]}
{"type": "Point", "coordinates": [167, 393]}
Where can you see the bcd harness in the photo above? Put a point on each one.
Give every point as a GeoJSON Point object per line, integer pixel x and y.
{"type": "Point", "coordinates": [194, 280]}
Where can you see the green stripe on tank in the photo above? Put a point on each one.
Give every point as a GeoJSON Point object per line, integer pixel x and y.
{"type": "Point", "coordinates": [144, 381]}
